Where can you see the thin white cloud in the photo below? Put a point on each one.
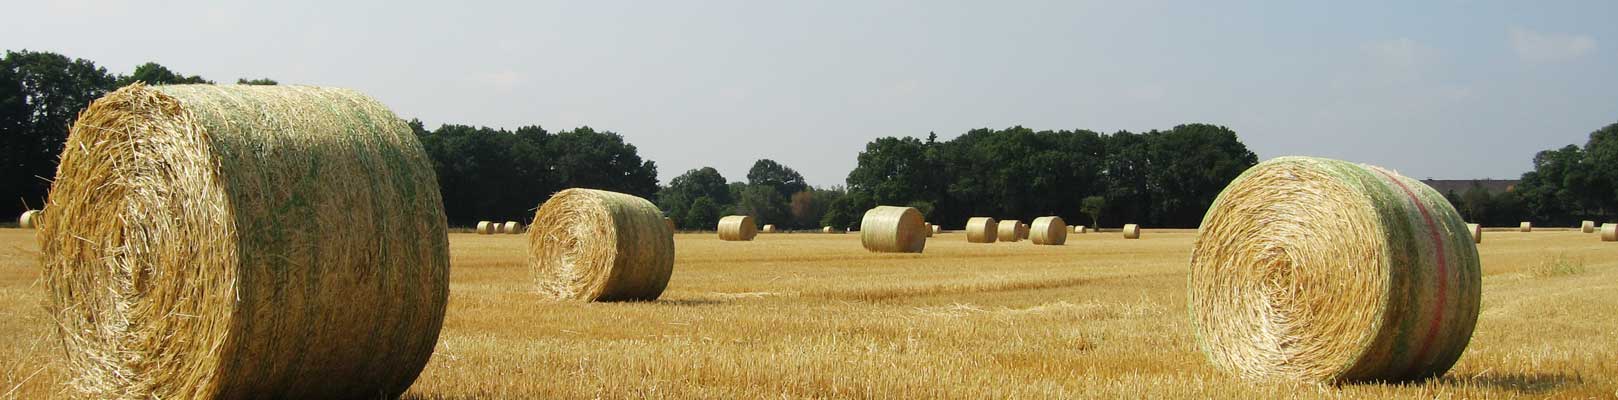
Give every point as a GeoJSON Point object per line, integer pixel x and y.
{"type": "Point", "coordinates": [1548, 47]}
{"type": "Point", "coordinates": [1401, 54]}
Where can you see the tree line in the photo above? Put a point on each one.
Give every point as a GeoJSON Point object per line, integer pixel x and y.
{"type": "Point", "coordinates": [1157, 178]}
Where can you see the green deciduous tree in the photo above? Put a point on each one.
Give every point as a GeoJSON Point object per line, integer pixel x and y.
{"type": "Point", "coordinates": [154, 74]}
{"type": "Point", "coordinates": [40, 95]}
{"type": "Point", "coordinates": [259, 81]}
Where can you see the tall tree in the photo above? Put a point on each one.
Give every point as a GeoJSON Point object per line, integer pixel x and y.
{"type": "Point", "coordinates": [586, 158]}
{"type": "Point", "coordinates": [785, 181]}
{"type": "Point", "coordinates": [40, 95]}
{"type": "Point", "coordinates": [679, 198]}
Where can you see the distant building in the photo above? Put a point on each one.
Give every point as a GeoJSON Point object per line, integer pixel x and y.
{"type": "Point", "coordinates": [1460, 186]}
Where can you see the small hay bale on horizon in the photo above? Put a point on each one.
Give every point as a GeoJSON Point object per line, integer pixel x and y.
{"type": "Point", "coordinates": [29, 219]}
{"type": "Point", "coordinates": [1317, 270]}
{"type": "Point", "coordinates": [1131, 231]}
{"type": "Point", "coordinates": [828, 229]}
{"type": "Point", "coordinates": [486, 227]}
{"type": "Point", "coordinates": [1477, 232]}
{"type": "Point", "coordinates": [1587, 226]}
{"type": "Point", "coordinates": [1049, 231]}
{"type": "Point", "coordinates": [890, 229]}
{"type": "Point", "coordinates": [936, 230]}
{"type": "Point", "coordinates": [737, 228]}
{"type": "Point", "coordinates": [981, 230]}
{"type": "Point", "coordinates": [511, 228]}
{"type": "Point", "coordinates": [1009, 231]}
{"type": "Point", "coordinates": [769, 228]}
{"type": "Point", "coordinates": [596, 245]}
{"type": "Point", "coordinates": [257, 277]}
{"type": "Point", "coordinates": [1525, 226]}
{"type": "Point", "coordinates": [1609, 232]}
{"type": "Point", "coordinates": [1079, 229]}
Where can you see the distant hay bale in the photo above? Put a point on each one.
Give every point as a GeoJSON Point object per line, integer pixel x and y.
{"type": "Point", "coordinates": [596, 245]}
{"type": "Point", "coordinates": [29, 219]}
{"type": "Point", "coordinates": [1022, 230]}
{"type": "Point", "coordinates": [1609, 232]}
{"type": "Point", "coordinates": [1525, 226]}
{"type": "Point", "coordinates": [1079, 229]}
{"type": "Point", "coordinates": [889, 229]}
{"type": "Point", "coordinates": [511, 228]}
{"type": "Point", "coordinates": [1050, 231]}
{"type": "Point", "coordinates": [1131, 231]}
{"type": "Point", "coordinates": [769, 228]}
{"type": "Point", "coordinates": [828, 229]}
{"type": "Point", "coordinates": [486, 228]}
{"type": "Point", "coordinates": [1321, 270]}
{"type": "Point", "coordinates": [1476, 231]}
{"type": "Point", "coordinates": [1009, 231]}
{"type": "Point", "coordinates": [936, 230]}
{"type": "Point", "coordinates": [736, 228]}
{"type": "Point", "coordinates": [981, 230]}
{"type": "Point", "coordinates": [244, 242]}
{"type": "Point", "coordinates": [670, 222]}
{"type": "Point", "coordinates": [927, 229]}
{"type": "Point", "coordinates": [1587, 227]}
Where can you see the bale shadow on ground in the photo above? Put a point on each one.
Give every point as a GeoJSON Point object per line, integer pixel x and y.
{"type": "Point", "coordinates": [1529, 383]}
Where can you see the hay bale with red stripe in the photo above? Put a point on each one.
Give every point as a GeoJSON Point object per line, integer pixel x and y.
{"type": "Point", "coordinates": [1321, 270]}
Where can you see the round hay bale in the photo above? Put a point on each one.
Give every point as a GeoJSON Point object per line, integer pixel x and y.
{"type": "Point", "coordinates": [769, 228]}
{"type": "Point", "coordinates": [889, 229]}
{"type": "Point", "coordinates": [935, 230]}
{"type": "Point", "coordinates": [828, 229]}
{"type": "Point", "coordinates": [670, 222]}
{"type": "Point", "coordinates": [1321, 270]}
{"type": "Point", "coordinates": [596, 245]}
{"type": "Point", "coordinates": [245, 242]}
{"type": "Point", "coordinates": [1609, 232]}
{"type": "Point", "coordinates": [511, 228]}
{"type": "Point", "coordinates": [1476, 231]}
{"type": "Point", "coordinates": [1131, 231]}
{"type": "Point", "coordinates": [737, 228]}
{"type": "Point", "coordinates": [1022, 230]}
{"type": "Point", "coordinates": [486, 228]}
{"type": "Point", "coordinates": [1525, 226]}
{"type": "Point", "coordinates": [1587, 227]}
{"type": "Point", "coordinates": [927, 229]}
{"type": "Point", "coordinates": [1080, 229]}
{"type": "Point", "coordinates": [981, 230]}
{"type": "Point", "coordinates": [1009, 231]}
{"type": "Point", "coordinates": [29, 219]}
{"type": "Point", "coordinates": [1050, 231]}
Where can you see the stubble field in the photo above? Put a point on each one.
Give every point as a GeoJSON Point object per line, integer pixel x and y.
{"type": "Point", "coordinates": [816, 316]}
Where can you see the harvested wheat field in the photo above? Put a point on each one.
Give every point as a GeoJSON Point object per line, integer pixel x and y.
{"type": "Point", "coordinates": [801, 316]}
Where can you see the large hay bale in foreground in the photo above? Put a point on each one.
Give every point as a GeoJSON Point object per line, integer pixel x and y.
{"type": "Point", "coordinates": [1587, 227]}
{"type": "Point", "coordinates": [486, 227]}
{"type": "Point", "coordinates": [981, 230]}
{"type": "Point", "coordinates": [1476, 231]}
{"type": "Point", "coordinates": [596, 245]}
{"type": "Point", "coordinates": [1525, 226]}
{"type": "Point", "coordinates": [1609, 232]}
{"type": "Point", "coordinates": [889, 229]}
{"type": "Point", "coordinates": [1323, 270]}
{"type": "Point", "coordinates": [1049, 231]}
{"type": "Point", "coordinates": [29, 219]}
{"type": "Point", "coordinates": [244, 242]}
{"type": "Point", "coordinates": [1131, 231]}
{"type": "Point", "coordinates": [1009, 231]}
{"type": "Point", "coordinates": [737, 228]}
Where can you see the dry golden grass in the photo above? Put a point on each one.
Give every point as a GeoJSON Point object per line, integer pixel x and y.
{"type": "Point", "coordinates": [799, 315]}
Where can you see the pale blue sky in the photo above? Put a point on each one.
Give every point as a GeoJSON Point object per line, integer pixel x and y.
{"type": "Point", "coordinates": [1447, 89]}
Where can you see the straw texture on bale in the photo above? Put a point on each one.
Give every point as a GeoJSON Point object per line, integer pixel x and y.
{"type": "Point", "coordinates": [1131, 231]}
{"type": "Point", "coordinates": [596, 245]}
{"type": "Point", "coordinates": [737, 228]}
{"type": "Point", "coordinates": [1048, 231]}
{"type": "Point", "coordinates": [981, 230]}
{"type": "Point", "coordinates": [1321, 270]}
{"type": "Point", "coordinates": [1009, 231]}
{"type": "Point", "coordinates": [486, 228]}
{"type": "Point", "coordinates": [1609, 232]}
{"type": "Point", "coordinates": [1525, 226]}
{"type": "Point", "coordinates": [29, 219]}
{"type": "Point", "coordinates": [244, 242]}
{"type": "Point", "coordinates": [769, 228]}
{"type": "Point", "coordinates": [1587, 227]}
{"type": "Point", "coordinates": [511, 228]}
{"type": "Point", "coordinates": [889, 229]}
{"type": "Point", "coordinates": [1476, 231]}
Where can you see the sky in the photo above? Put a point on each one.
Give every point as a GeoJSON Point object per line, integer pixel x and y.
{"type": "Point", "coordinates": [1434, 89]}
